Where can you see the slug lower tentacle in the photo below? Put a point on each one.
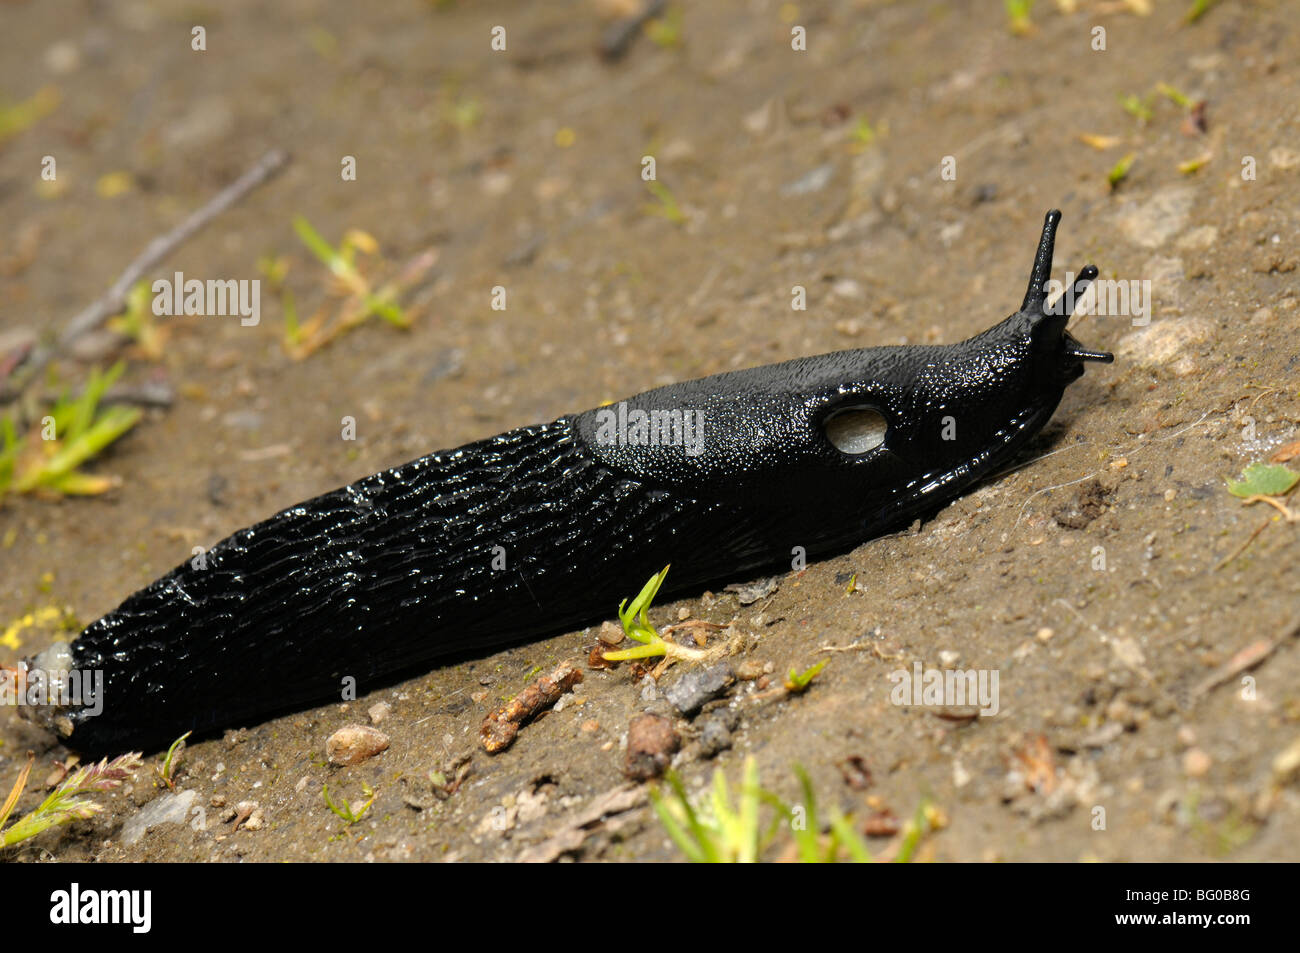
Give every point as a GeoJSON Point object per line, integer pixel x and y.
{"type": "Point", "coordinates": [541, 529]}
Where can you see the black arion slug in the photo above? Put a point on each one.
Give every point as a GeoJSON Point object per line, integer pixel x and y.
{"type": "Point", "coordinates": [542, 529]}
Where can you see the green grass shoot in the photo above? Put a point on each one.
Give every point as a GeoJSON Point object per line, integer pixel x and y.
{"type": "Point", "coordinates": [723, 829]}
{"type": "Point", "coordinates": [137, 323]}
{"type": "Point", "coordinates": [1175, 96]}
{"type": "Point", "coordinates": [1119, 171]}
{"type": "Point", "coordinates": [1139, 109]}
{"type": "Point", "coordinates": [1198, 9]}
{"type": "Point", "coordinates": [68, 801]}
{"type": "Point", "coordinates": [665, 205]}
{"type": "Point", "coordinates": [48, 459]}
{"type": "Point", "coordinates": [361, 300]}
{"type": "Point", "coordinates": [1018, 11]}
{"type": "Point", "coordinates": [348, 811]}
{"type": "Point", "coordinates": [173, 758]}
{"type": "Point", "coordinates": [18, 117]}
{"type": "Point", "coordinates": [637, 627]}
{"type": "Point", "coordinates": [797, 682]}
{"type": "Point", "coordinates": [666, 31]}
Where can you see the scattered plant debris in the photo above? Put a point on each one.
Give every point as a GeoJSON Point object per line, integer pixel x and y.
{"type": "Point", "coordinates": [501, 726]}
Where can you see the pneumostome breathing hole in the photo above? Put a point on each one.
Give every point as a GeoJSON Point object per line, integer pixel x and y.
{"type": "Point", "coordinates": [856, 430]}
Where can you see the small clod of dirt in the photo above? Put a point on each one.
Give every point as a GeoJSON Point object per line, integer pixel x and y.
{"type": "Point", "coordinates": [651, 743]}
{"type": "Point", "coordinates": [1089, 502]}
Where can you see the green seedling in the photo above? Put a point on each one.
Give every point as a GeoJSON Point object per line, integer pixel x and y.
{"type": "Point", "coordinates": [1139, 109]}
{"type": "Point", "coordinates": [813, 847]}
{"type": "Point", "coordinates": [342, 263]}
{"type": "Point", "coordinates": [666, 204]}
{"type": "Point", "coordinates": [1174, 95]}
{"type": "Point", "coordinates": [1119, 171]}
{"type": "Point", "coordinates": [20, 116]}
{"type": "Point", "coordinates": [137, 323]}
{"type": "Point", "coordinates": [797, 682]}
{"type": "Point", "coordinates": [637, 627]}
{"type": "Point", "coordinates": [1192, 166]}
{"type": "Point", "coordinates": [666, 31]}
{"type": "Point", "coordinates": [465, 113]}
{"type": "Point", "coordinates": [173, 758]}
{"type": "Point", "coordinates": [75, 430]}
{"type": "Point", "coordinates": [68, 801]}
{"type": "Point", "coordinates": [275, 271]}
{"type": "Point", "coordinates": [1198, 9]}
{"type": "Point", "coordinates": [348, 811]}
{"type": "Point", "coordinates": [1018, 21]}
{"type": "Point", "coordinates": [716, 830]}
{"type": "Point", "coordinates": [361, 300]}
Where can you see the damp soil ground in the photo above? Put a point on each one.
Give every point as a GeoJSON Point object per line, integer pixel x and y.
{"type": "Point", "coordinates": [1096, 578]}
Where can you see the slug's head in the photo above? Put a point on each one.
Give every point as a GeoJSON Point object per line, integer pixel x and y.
{"type": "Point", "coordinates": [939, 417]}
{"type": "Point", "coordinates": [1054, 349]}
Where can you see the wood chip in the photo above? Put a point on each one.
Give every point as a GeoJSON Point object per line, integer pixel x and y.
{"type": "Point", "coordinates": [1245, 659]}
{"type": "Point", "coordinates": [605, 812]}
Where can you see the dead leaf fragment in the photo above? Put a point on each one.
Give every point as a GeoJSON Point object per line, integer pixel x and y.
{"type": "Point", "coordinates": [1286, 452]}
{"type": "Point", "coordinates": [1038, 764]}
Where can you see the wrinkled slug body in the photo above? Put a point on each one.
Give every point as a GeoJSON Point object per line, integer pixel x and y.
{"type": "Point", "coordinates": [545, 528]}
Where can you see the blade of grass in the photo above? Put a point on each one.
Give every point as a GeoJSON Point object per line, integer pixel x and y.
{"type": "Point", "coordinates": [16, 792]}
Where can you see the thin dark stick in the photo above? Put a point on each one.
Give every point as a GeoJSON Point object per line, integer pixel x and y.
{"type": "Point", "coordinates": [113, 300]}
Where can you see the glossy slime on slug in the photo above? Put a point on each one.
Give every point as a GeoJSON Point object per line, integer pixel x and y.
{"type": "Point", "coordinates": [540, 530]}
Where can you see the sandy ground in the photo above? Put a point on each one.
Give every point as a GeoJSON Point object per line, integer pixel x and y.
{"type": "Point", "coordinates": [1090, 579]}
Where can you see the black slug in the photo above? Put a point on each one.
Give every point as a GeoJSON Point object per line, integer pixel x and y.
{"type": "Point", "coordinates": [542, 529]}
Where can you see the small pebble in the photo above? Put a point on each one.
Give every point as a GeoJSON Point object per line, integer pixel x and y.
{"type": "Point", "coordinates": [960, 776]}
{"type": "Point", "coordinates": [243, 812]}
{"type": "Point", "coordinates": [1286, 765]}
{"type": "Point", "coordinates": [378, 712]}
{"type": "Point", "coordinates": [753, 668]}
{"type": "Point", "coordinates": [353, 744]}
{"type": "Point", "coordinates": [1196, 763]}
{"type": "Point", "coordinates": [173, 808]}
{"type": "Point", "coordinates": [715, 736]}
{"type": "Point", "coordinates": [689, 693]}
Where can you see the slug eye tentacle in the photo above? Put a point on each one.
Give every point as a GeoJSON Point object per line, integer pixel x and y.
{"type": "Point", "coordinates": [1081, 284]}
{"type": "Point", "coordinates": [1049, 320]}
{"type": "Point", "coordinates": [1036, 293]}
